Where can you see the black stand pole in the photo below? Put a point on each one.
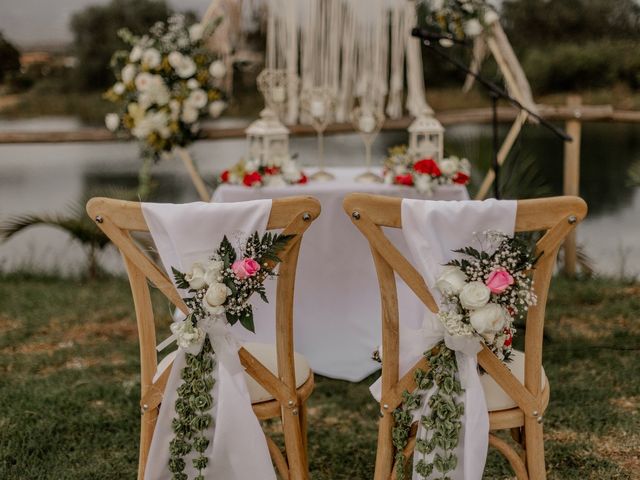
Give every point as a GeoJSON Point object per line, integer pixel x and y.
{"type": "Point", "coordinates": [495, 92]}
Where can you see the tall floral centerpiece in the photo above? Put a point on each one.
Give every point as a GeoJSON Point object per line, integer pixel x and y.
{"type": "Point", "coordinates": [165, 85]}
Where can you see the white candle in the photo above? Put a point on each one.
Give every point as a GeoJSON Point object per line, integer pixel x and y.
{"type": "Point", "coordinates": [278, 94]}
{"type": "Point", "coordinates": [317, 108]}
{"type": "Point", "coordinates": [367, 123]}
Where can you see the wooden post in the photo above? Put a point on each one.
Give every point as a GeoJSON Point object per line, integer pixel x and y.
{"type": "Point", "coordinates": [184, 155]}
{"type": "Point", "coordinates": [572, 175]}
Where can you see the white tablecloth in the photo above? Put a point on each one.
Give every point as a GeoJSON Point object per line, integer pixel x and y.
{"type": "Point", "coordinates": [337, 302]}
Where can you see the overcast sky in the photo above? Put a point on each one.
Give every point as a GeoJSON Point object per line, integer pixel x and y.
{"type": "Point", "coordinates": [42, 22]}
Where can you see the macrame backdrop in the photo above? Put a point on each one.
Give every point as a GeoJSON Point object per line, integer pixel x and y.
{"type": "Point", "coordinates": [348, 47]}
{"type": "Point", "coordinates": [360, 50]}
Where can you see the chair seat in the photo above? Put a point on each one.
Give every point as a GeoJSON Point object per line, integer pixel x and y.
{"type": "Point", "coordinates": [495, 396]}
{"type": "Point", "coordinates": [265, 353]}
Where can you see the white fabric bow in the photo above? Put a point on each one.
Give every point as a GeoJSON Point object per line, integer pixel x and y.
{"type": "Point", "coordinates": [184, 234]}
{"type": "Point", "coordinates": [433, 229]}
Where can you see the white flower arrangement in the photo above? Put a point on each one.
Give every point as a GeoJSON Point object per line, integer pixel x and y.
{"type": "Point", "coordinates": [165, 85]}
{"type": "Point", "coordinates": [461, 18]}
{"type": "Point", "coordinates": [400, 168]}
{"type": "Point", "coordinates": [487, 290]}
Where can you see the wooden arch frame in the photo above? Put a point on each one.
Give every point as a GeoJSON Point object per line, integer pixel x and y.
{"type": "Point", "coordinates": [557, 216]}
{"type": "Point", "coordinates": [117, 218]}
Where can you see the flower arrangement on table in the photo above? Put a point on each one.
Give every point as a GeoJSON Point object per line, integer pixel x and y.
{"type": "Point", "coordinates": [281, 172]}
{"type": "Point", "coordinates": [484, 293]}
{"type": "Point", "coordinates": [219, 293]}
{"type": "Point", "coordinates": [165, 85]}
{"type": "Point", "coordinates": [460, 18]}
{"type": "Point", "coordinates": [401, 168]}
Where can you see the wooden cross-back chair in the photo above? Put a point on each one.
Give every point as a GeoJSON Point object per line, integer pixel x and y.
{"type": "Point", "coordinates": [557, 217]}
{"type": "Point", "coordinates": [117, 218]}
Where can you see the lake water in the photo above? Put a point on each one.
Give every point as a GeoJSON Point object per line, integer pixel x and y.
{"type": "Point", "coordinates": [49, 178]}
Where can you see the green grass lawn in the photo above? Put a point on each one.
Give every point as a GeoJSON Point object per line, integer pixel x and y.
{"type": "Point", "coordinates": [69, 386]}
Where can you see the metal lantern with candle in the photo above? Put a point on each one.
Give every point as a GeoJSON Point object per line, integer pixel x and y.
{"type": "Point", "coordinates": [268, 140]}
{"type": "Point", "coordinates": [426, 138]}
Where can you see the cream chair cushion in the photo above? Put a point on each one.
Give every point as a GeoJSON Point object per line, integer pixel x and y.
{"type": "Point", "coordinates": [496, 397]}
{"type": "Point", "coordinates": [265, 353]}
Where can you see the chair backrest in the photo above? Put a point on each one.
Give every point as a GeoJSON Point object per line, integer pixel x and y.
{"type": "Point", "coordinates": [555, 216]}
{"type": "Point", "coordinates": [118, 218]}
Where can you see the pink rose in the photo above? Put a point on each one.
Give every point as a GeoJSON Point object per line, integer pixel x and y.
{"type": "Point", "coordinates": [499, 280]}
{"type": "Point", "coordinates": [247, 267]}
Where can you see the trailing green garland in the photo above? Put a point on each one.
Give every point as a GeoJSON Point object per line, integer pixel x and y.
{"type": "Point", "coordinates": [443, 424]}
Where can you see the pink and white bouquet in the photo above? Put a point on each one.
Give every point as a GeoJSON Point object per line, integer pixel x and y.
{"type": "Point", "coordinates": [221, 288]}
{"type": "Point", "coordinates": [401, 168]}
{"type": "Point", "coordinates": [487, 290]}
{"type": "Point", "coordinates": [165, 85]}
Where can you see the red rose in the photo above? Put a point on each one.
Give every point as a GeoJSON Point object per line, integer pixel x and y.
{"type": "Point", "coordinates": [303, 178]}
{"type": "Point", "coordinates": [271, 170]}
{"type": "Point", "coordinates": [509, 339]}
{"type": "Point", "coordinates": [427, 166]}
{"type": "Point", "coordinates": [405, 179]}
{"type": "Point", "coordinates": [461, 178]}
{"type": "Point", "coordinates": [225, 176]}
{"type": "Point", "coordinates": [251, 179]}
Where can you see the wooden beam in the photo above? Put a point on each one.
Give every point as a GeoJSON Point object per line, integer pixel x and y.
{"type": "Point", "coordinates": [590, 113]}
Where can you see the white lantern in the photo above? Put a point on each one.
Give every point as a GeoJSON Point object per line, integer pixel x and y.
{"type": "Point", "coordinates": [426, 138]}
{"type": "Point", "coordinates": [268, 140]}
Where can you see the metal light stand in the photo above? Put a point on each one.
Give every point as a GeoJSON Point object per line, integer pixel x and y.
{"type": "Point", "coordinates": [495, 92]}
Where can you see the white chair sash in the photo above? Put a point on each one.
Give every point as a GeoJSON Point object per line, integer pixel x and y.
{"type": "Point", "coordinates": [184, 234]}
{"type": "Point", "coordinates": [432, 230]}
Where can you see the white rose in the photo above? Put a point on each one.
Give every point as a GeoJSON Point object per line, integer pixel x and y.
{"type": "Point", "coordinates": [449, 166]}
{"type": "Point", "coordinates": [186, 68]}
{"type": "Point", "coordinates": [473, 28]}
{"type": "Point", "coordinates": [112, 121]}
{"type": "Point", "coordinates": [174, 106]}
{"type": "Point", "coordinates": [216, 295]}
{"type": "Point", "coordinates": [274, 181]}
{"type": "Point", "coordinates": [192, 83]}
{"type": "Point", "coordinates": [195, 32]}
{"type": "Point", "coordinates": [451, 280]}
{"type": "Point", "coordinates": [474, 295]}
{"type": "Point", "coordinates": [175, 59]}
{"type": "Point", "coordinates": [188, 337]}
{"type": "Point", "coordinates": [465, 166]}
{"type": "Point", "coordinates": [189, 114]}
{"type": "Point", "coordinates": [197, 98]}
{"type": "Point", "coordinates": [290, 171]}
{"type": "Point", "coordinates": [388, 178]}
{"type": "Point", "coordinates": [488, 319]}
{"type": "Point", "coordinates": [217, 69]}
{"type": "Point", "coordinates": [118, 88]}
{"type": "Point", "coordinates": [423, 184]}
{"type": "Point", "coordinates": [437, 4]}
{"type": "Point", "coordinates": [128, 73]}
{"type": "Point", "coordinates": [136, 53]}
{"type": "Point", "coordinates": [151, 58]}
{"type": "Point", "coordinates": [216, 108]}
{"type": "Point", "coordinates": [196, 277]}
{"type": "Point", "coordinates": [490, 16]}
{"type": "Point", "coordinates": [214, 270]}
{"type": "Point", "coordinates": [143, 81]}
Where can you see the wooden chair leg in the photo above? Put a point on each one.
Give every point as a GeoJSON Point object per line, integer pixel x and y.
{"type": "Point", "coordinates": [148, 424]}
{"type": "Point", "coordinates": [534, 449]}
{"type": "Point", "coordinates": [384, 457]}
{"type": "Point", "coordinates": [293, 443]}
{"type": "Point", "coordinates": [303, 426]}
{"type": "Point", "coordinates": [511, 455]}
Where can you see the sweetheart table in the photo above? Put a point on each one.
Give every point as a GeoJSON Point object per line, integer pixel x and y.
{"type": "Point", "coordinates": [336, 302]}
